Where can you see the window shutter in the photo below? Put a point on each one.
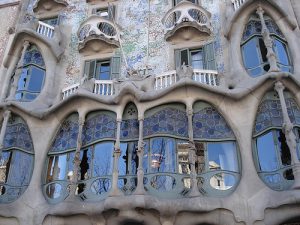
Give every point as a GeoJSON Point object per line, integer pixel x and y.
{"type": "Point", "coordinates": [89, 69]}
{"type": "Point", "coordinates": [185, 57]}
{"type": "Point", "coordinates": [115, 67]}
{"type": "Point", "coordinates": [177, 59]}
{"type": "Point", "coordinates": [111, 12]}
{"type": "Point", "coordinates": [209, 57]}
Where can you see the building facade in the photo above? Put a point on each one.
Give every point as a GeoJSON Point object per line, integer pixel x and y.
{"type": "Point", "coordinates": [145, 112]}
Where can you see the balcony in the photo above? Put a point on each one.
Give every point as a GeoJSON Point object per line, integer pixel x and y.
{"type": "Point", "coordinates": [45, 6]}
{"type": "Point", "coordinates": [100, 87]}
{"type": "Point", "coordinates": [49, 35]}
{"type": "Point", "coordinates": [186, 21]}
{"type": "Point", "coordinates": [98, 34]}
{"type": "Point", "coordinates": [207, 77]}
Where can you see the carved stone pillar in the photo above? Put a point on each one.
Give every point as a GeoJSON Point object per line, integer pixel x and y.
{"type": "Point", "coordinates": [117, 152]}
{"type": "Point", "coordinates": [140, 190]}
{"type": "Point", "coordinates": [76, 161]}
{"type": "Point", "coordinates": [268, 42]}
{"type": "Point", "coordinates": [18, 71]}
{"type": "Point", "coordinates": [287, 128]}
{"type": "Point", "coordinates": [7, 114]}
{"type": "Point", "coordinates": [192, 155]}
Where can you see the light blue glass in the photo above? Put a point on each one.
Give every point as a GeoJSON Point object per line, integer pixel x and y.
{"type": "Point", "coordinates": [103, 159]}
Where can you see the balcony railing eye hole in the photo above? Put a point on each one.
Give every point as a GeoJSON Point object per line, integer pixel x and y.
{"type": "Point", "coordinates": [107, 29]}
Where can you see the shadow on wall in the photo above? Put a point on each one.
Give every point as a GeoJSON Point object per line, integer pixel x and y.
{"type": "Point", "coordinates": [8, 221]}
{"type": "Point", "coordinates": [68, 220]}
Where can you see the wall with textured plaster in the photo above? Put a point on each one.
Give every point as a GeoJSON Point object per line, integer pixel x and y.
{"type": "Point", "coordinates": [11, 13]}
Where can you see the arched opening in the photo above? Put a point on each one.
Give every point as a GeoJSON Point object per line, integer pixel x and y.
{"type": "Point", "coordinates": [16, 160]}
{"type": "Point", "coordinates": [271, 152]}
{"type": "Point", "coordinates": [254, 47]}
{"type": "Point", "coordinates": [128, 162]}
{"type": "Point", "coordinates": [29, 76]}
{"type": "Point", "coordinates": [216, 164]}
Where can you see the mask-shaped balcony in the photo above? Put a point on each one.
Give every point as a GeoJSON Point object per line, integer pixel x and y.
{"type": "Point", "coordinates": [187, 21]}
{"type": "Point", "coordinates": [53, 6]}
{"type": "Point", "coordinates": [50, 35]}
{"type": "Point", "coordinates": [98, 34]}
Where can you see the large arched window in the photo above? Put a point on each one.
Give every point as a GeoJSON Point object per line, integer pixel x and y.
{"type": "Point", "coordinates": [16, 160]}
{"type": "Point", "coordinates": [96, 156]}
{"type": "Point", "coordinates": [165, 132]}
{"type": "Point", "coordinates": [271, 152]}
{"type": "Point", "coordinates": [216, 163]}
{"type": "Point", "coordinates": [128, 162]}
{"type": "Point", "coordinates": [60, 164]}
{"type": "Point", "coordinates": [30, 74]}
{"type": "Point", "coordinates": [254, 50]}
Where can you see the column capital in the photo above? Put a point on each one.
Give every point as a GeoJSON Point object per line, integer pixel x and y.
{"type": "Point", "coordinates": [279, 87]}
{"type": "Point", "coordinates": [141, 118]}
{"type": "Point", "coordinates": [119, 120]}
{"type": "Point", "coordinates": [26, 43]}
{"type": "Point", "coordinates": [81, 121]}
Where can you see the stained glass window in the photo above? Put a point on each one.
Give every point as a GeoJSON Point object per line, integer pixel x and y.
{"type": "Point", "coordinates": [99, 126]}
{"type": "Point", "coordinates": [166, 120]}
{"type": "Point", "coordinates": [16, 160]}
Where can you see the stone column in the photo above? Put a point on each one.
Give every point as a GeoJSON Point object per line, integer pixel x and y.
{"type": "Point", "coordinates": [287, 128]}
{"type": "Point", "coordinates": [140, 190]}
{"type": "Point", "coordinates": [268, 42]}
{"type": "Point", "coordinates": [76, 161]}
{"type": "Point", "coordinates": [7, 114]}
{"type": "Point", "coordinates": [117, 152]}
{"type": "Point", "coordinates": [18, 71]}
{"type": "Point", "coordinates": [192, 154]}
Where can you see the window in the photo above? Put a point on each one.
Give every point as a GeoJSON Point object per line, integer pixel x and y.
{"type": "Point", "coordinates": [107, 12]}
{"type": "Point", "coordinates": [216, 151]}
{"type": "Point", "coordinates": [32, 75]}
{"type": "Point", "coordinates": [200, 58]}
{"type": "Point", "coordinates": [16, 160]}
{"type": "Point", "coordinates": [128, 162]}
{"type": "Point", "coordinates": [254, 49]}
{"type": "Point", "coordinates": [103, 69]}
{"type": "Point", "coordinates": [271, 152]}
{"type": "Point", "coordinates": [96, 157]}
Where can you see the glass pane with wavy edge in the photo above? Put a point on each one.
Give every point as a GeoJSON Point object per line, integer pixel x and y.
{"type": "Point", "coordinates": [222, 181]}
{"type": "Point", "coordinates": [103, 159]}
{"type": "Point", "coordinates": [57, 167]}
{"type": "Point", "coordinates": [163, 155]}
{"type": "Point", "coordinates": [266, 151]}
{"type": "Point", "coordinates": [54, 190]}
{"type": "Point", "coordinates": [128, 162]}
{"type": "Point", "coordinates": [222, 156]}
{"type": "Point", "coordinates": [101, 186]}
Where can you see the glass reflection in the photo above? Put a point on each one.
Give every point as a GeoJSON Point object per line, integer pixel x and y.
{"type": "Point", "coordinates": [128, 162]}
{"type": "Point", "coordinates": [222, 155]}
{"type": "Point", "coordinates": [163, 155]}
{"type": "Point", "coordinates": [222, 181]}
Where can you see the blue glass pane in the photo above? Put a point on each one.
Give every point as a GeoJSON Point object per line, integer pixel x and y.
{"type": "Point", "coordinates": [281, 51]}
{"type": "Point", "coordinates": [98, 127]}
{"type": "Point", "coordinates": [130, 129]}
{"type": "Point", "coordinates": [222, 156]}
{"type": "Point", "coordinates": [167, 121]}
{"type": "Point", "coordinates": [85, 164]}
{"type": "Point", "coordinates": [17, 135]}
{"type": "Point", "coordinates": [250, 53]}
{"type": "Point", "coordinates": [128, 162]}
{"type": "Point", "coordinates": [20, 169]}
{"type": "Point", "coordinates": [66, 137]}
{"type": "Point", "coordinates": [57, 168]}
{"type": "Point", "coordinates": [22, 79]}
{"type": "Point", "coordinates": [103, 159]}
{"type": "Point", "coordinates": [36, 79]}
{"type": "Point", "coordinates": [163, 155]}
{"type": "Point", "coordinates": [266, 151]}
{"type": "Point", "coordinates": [209, 124]}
